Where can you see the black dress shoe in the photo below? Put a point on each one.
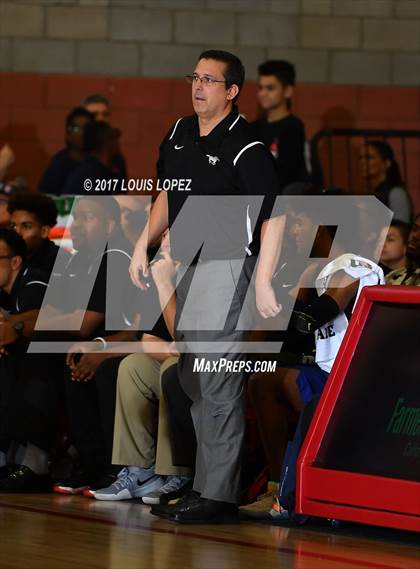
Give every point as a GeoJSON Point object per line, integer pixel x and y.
{"type": "Point", "coordinates": [25, 480]}
{"type": "Point", "coordinates": [204, 511]}
{"type": "Point", "coordinates": [167, 510]}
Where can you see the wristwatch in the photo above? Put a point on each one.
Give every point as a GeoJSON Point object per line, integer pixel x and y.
{"type": "Point", "coordinates": [19, 326]}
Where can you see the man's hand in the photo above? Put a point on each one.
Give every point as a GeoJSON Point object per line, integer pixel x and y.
{"type": "Point", "coordinates": [139, 265]}
{"type": "Point", "coordinates": [8, 334]}
{"type": "Point", "coordinates": [81, 348]}
{"type": "Point", "coordinates": [173, 350]}
{"type": "Point", "coordinates": [266, 301]}
{"type": "Point", "coordinates": [163, 270]}
{"type": "Point", "coordinates": [86, 368]}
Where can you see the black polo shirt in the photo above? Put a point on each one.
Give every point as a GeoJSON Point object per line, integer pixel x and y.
{"type": "Point", "coordinates": [113, 292]}
{"type": "Point", "coordinates": [285, 139]}
{"type": "Point", "coordinates": [233, 175]}
{"type": "Point", "coordinates": [44, 259]}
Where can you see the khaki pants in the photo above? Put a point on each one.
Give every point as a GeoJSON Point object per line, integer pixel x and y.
{"type": "Point", "coordinates": [138, 405]}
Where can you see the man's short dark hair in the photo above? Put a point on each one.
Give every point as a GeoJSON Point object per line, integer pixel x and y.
{"type": "Point", "coordinates": [78, 112]}
{"type": "Point", "coordinates": [97, 134]}
{"type": "Point", "coordinates": [14, 242]}
{"type": "Point", "coordinates": [234, 73]}
{"type": "Point", "coordinates": [403, 227]}
{"type": "Point", "coordinates": [96, 98]}
{"type": "Point", "coordinates": [40, 205]}
{"type": "Point", "coordinates": [283, 70]}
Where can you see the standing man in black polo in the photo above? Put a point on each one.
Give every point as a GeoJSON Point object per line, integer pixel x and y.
{"type": "Point", "coordinates": [233, 186]}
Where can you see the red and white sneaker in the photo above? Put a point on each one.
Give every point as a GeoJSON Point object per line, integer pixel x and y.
{"type": "Point", "coordinates": [76, 484]}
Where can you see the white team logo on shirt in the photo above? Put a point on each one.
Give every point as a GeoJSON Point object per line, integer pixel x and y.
{"type": "Point", "coordinates": [213, 160]}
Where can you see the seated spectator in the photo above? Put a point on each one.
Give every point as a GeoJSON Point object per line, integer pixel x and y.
{"type": "Point", "coordinates": [100, 107]}
{"type": "Point", "coordinates": [29, 387]}
{"type": "Point", "coordinates": [409, 275]}
{"type": "Point", "coordinates": [383, 178]}
{"type": "Point", "coordinates": [279, 129]}
{"type": "Point", "coordinates": [32, 216]}
{"type": "Point", "coordinates": [66, 160]}
{"type": "Point", "coordinates": [338, 285]}
{"type": "Point", "coordinates": [75, 313]}
{"type": "Point", "coordinates": [138, 396]}
{"type": "Point", "coordinates": [393, 255]}
{"type": "Point", "coordinates": [100, 142]}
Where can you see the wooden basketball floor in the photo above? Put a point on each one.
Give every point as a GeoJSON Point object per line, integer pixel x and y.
{"type": "Point", "coordinates": [66, 532]}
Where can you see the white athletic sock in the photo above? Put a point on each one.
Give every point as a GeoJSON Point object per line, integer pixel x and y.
{"type": "Point", "coordinates": [36, 459]}
{"type": "Point", "coordinates": [138, 469]}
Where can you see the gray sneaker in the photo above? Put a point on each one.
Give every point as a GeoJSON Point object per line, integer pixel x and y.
{"type": "Point", "coordinates": [173, 488]}
{"type": "Point", "coordinates": [131, 483]}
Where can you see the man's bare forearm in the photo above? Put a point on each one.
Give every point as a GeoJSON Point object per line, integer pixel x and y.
{"type": "Point", "coordinates": [271, 243]}
{"type": "Point", "coordinates": [158, 222]}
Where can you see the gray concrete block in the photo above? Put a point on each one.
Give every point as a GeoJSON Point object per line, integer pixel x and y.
{"type": "Point", "coordinates": [175, 4]}
{"type": "Point", "coordinates": [156, 61]}
{"type": "Point", "coordinates": [19, 20]}
{"type": "Point", "coordinates": [96, 3]}
{"type": "Point", "coordinates": [407, 8]}
{"type": "Point", "coordinates": [251, 57]}
{"type": "Point", "coordinates": [395, 35]}
{"type": "Point", "coordinates": [311, 64]}
{"type": "Point", "coordinates": [363, 8]}
{"type": "Point", "coordinates": [205, 27]}
{"type": "Point", "coordinates": [318, 32]}
{"type": "Point", "coordinates": [108, 58]}
{"type": "Point", "coordinates": [135, 4]}
{"type": "Point", "coordinates": [77, 22]}
{"type": "Point", "coordinates": [360, 68]}
{"type": "Point", "coordinates": [238, 5]}
{"type": "Point", "coordinates": [316, 7]}
{"type": "Point", "coordinates": [289, 7]}
{"type": "Point", "coordinates": [43, 56]}
{"type": "Point", "coordinates": [5, 54]}
{"type": "Point", "coordinates": [267, 30]}
{"type": "Point", "coordinates": [141, 25]}
{"type": "Point", "coordinates": [48, 2]}
{"type": "Point", "coordinates": [406, 68]}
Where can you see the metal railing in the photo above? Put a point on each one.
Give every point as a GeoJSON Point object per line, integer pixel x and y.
{"type": "Point", "coordinates": [339, 149]}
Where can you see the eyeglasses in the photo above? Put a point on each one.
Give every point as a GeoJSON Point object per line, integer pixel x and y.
{"type": "Point", "coordinates": [75, 128]}
{"type": "Point", "coordinates": [195, 78]}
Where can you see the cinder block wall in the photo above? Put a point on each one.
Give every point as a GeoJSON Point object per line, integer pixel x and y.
{"type": "Point", "coordinates": [358, 64]}
{"type": "Point", "coordinates": [332, 41]}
